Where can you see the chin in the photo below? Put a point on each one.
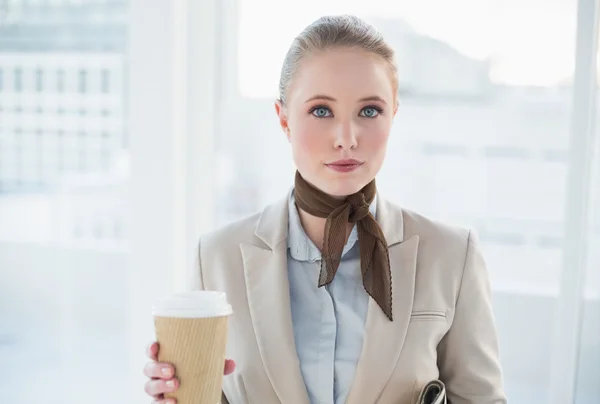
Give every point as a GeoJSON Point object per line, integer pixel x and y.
{"type": "Point", "coordinates": [336, 184]}
{"type": "Point", "coordinates": [341, 187]}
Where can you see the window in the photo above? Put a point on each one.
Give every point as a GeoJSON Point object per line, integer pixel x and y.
{"type": "Point", "coordinates": [105, 81]}
{"type": "Point", "coordinates": [589, 352]}
{"type": "Point", "coordinates": [39, 80]}
{"type": "Point", "coordinates": [18, 77]}
{"type": "Point", "coordinates": [48, 51]}
{"type": "Point", "coordinates": [60, 81]}
{"type": "Point", "coordinates": [83, 75]}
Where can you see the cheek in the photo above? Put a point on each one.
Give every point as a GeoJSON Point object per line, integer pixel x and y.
{"type": "Point", "coordinates": [309, 136]}
{"type": "Point", "coordinates": [376, 136]}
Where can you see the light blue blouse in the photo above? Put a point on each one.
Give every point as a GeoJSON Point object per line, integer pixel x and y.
{"type": "Point", "coordinates": [328, 322]}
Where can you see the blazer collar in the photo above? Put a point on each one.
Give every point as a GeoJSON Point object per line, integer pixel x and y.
{"type": "Point", "coordinates": [272, 227]}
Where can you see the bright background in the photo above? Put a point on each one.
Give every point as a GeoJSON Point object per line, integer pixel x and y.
{"type": "Point", "coordinates": [128, 128]}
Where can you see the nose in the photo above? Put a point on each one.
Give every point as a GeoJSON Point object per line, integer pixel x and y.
{"type": "Point", "coordinates": [346, 138]}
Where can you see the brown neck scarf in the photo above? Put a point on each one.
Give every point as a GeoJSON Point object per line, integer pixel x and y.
{"type": "Point", "coordinates": [374, 258]}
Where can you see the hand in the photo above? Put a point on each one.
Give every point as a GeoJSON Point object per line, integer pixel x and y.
{"type": "Point", "coordinates": [162, 378]}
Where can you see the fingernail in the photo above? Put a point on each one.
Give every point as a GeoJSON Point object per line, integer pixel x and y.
{"type": "Point", "coordinates": [166, 372]}
{"type": "Point", "coordinates": [170, 384]}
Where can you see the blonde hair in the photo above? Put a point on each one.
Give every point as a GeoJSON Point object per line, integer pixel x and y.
{"type": "Point", "coordinates": [335, 32]}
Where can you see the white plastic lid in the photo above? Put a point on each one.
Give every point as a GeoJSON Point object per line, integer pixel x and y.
{"type": "Point", "coordinates": [193, 305]}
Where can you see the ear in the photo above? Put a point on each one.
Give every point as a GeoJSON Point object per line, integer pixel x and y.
{"type": "Point", "coordinates": [283, 119]}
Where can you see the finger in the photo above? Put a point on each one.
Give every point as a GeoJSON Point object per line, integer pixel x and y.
{"type": "Point", "coordinates": [152, 351]}
{"type": "Point", "coordinates": [156, 370]}
{"type": "Point", "coordinates": [165, 401]}
{"type": "Point", "coordinates": [157, 387]}
{"type": "Point", "coordinates": [229, 367]}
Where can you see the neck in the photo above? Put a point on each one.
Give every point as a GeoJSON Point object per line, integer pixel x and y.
{"type": "Point", "coordinates": [314, 227]}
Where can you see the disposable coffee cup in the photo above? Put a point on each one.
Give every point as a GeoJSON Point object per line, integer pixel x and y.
{"type": "Point", "coordinates": [191, 329]}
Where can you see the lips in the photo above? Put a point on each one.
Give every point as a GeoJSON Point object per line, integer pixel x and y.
{"type": "Point", "coordinates": [345, 165]}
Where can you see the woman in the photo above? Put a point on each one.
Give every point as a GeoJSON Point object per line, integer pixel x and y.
{"type": "Point", "coordinates": [330, 304]}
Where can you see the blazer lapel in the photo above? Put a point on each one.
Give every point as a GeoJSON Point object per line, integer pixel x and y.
{"type": "Point", "coordinates": [267, 284]}
{"type": "Point", "coordinates": [384, 339]}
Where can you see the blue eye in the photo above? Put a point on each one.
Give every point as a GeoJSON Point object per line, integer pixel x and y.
{"type": "Point", "coordinates": [370, 112]}
{"type": "Point", "coordinates": [321, 112]}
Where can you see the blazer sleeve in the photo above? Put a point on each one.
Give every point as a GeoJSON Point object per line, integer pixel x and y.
{"type": "Point", "coordinates": [468, 355]}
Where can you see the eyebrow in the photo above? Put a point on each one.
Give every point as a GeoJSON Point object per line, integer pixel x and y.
{"type": "Point", "coordinates": [328, 98]}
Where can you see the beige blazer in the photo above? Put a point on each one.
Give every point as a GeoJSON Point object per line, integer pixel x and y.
{"type": "Point", "coordinates": [443, 323]}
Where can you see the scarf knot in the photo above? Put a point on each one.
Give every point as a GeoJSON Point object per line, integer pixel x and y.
{"type": "Point", "coordinates": [354, 209]}
{"type": "Point", "coordinates": [359, 208]}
